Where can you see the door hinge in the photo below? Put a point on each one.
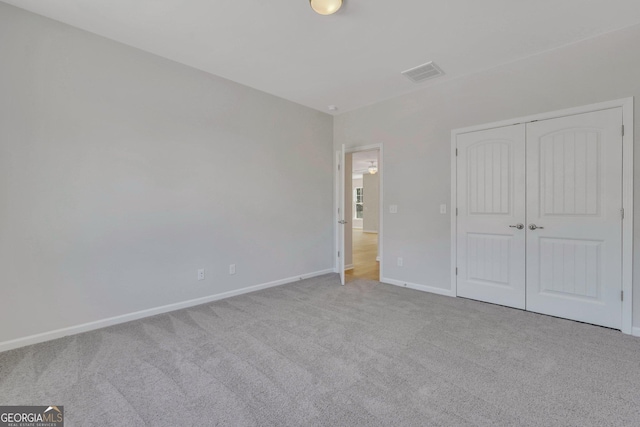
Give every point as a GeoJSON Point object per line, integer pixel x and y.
{"type": "Point", "coordinates": [456, 211]}
{"type": "Point", "coordinates": [456, 152]}
{"type": "Point", "coordinates": [338, 254]}
{"type": "Point", "coordinates": [621, 295]}
{"type": "Point", "coordinates": [622, 130]}
{"type": "Point", "coordinates": [622, 213]}
{"type": "Point", "coordinates": [456, 271]}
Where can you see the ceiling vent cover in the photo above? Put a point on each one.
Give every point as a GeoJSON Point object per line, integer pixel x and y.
{"type": "Point", "coordinates": [423, 72]}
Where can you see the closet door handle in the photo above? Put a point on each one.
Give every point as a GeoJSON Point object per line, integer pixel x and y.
{"type": "Point", "coordinates": [534, 227]}
{"type": "Point", "coordinates": [518, 226]}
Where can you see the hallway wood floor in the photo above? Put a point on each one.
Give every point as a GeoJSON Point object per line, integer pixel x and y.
{"type": "Point", "coordinates": [365, 251]}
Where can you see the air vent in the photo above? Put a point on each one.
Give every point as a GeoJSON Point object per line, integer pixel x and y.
{"type": "Point", "coordinates": [423, 72]}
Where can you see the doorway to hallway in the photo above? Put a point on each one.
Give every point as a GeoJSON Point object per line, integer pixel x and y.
{"type": "Point", "coordinates": [362, 207]}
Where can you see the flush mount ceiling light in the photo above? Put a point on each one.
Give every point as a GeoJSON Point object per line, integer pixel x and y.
{"type": "Point", "coordinates": [325, 7]}
{"type": "Point", "coordinates": [373, 169]}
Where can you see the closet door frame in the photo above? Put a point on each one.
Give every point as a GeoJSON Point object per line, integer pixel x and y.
{"type": "Point", "coordinates": [627, 192]}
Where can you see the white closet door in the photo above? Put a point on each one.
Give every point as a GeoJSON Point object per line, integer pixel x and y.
{"type": "Point", "coordinates": [574, 197]}
{"type": "Point", "coordinates": [491, 203]}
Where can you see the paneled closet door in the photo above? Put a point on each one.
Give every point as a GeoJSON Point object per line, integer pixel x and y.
{"type": "Point", "coordinates": [491, 215]}
{"type": "Point", "coordinates": [574, 224]}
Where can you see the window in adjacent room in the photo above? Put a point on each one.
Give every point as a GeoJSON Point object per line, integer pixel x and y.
{"type": "Point", "coordinates": [358, 198]}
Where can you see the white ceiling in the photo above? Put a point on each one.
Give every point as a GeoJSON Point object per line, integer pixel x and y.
{"type": "Point", "coordinates": [349, 59]}
{"type": "Point", "coordinates": [361, 160]}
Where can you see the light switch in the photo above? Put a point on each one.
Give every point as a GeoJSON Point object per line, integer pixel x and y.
{"type": "Point", "coordinates": [443, 209]}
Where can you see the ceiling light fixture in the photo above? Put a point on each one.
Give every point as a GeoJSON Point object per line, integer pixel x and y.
{"type": "Point", "coordinates": [325, 7]}
{"type": "Point", "coordinates": [373, 169]}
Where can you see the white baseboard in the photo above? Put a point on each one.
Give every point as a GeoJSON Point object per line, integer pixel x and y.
{"type": "Point", "coordinates": [348, 267]}
{"type": "Point", "coordinates": [424, 288]}
{"type": "Point", "coordinates": [635, 331]}
{"type": "Point", "coordinates": [73, 330]}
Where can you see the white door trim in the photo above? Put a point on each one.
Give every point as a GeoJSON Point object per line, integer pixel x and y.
{"type": "Point", "coordinates": [341, 216]}
{"type": "Point", "coordinates": [354, 149]}
{"type": "Point", "coordinates": [627, 105]}
{"type": "Point", "coordinates": [627, 223]}
{"type": "Point", "coordinates": [338, 252]}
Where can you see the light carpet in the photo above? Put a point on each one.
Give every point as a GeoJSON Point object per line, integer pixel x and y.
{"type": "Point", "coordinates": [314, 353]}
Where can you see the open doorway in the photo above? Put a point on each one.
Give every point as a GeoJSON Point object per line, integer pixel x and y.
{"type": "Point", "coordinates": [362, 207]}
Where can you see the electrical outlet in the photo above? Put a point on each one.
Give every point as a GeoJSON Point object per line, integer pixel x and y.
{"type": "Point", "coordinates": [400, 261]}
{"type": "Point", "coordinates": [443, 209]}
{"type": "Point", "coordinates": [232, 269]}
{"type": "Point", "coordinates": [201, 274]}
{"type": "Point", "coordinates": [393, 209]}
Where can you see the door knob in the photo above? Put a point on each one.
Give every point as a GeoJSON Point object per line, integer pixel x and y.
{"type": "Point", "coordinates": [342, 222]}
{"type": "Point", "coordinates": [534, 227]}
{"type": "Point", "coordinates": [518, 226]}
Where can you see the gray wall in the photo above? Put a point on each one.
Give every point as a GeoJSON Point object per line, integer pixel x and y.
{"type": "Point", "coordinates": [416, 132]}
{"type": "Point", "coordinates": [371, 214]}
{"type": "Point", "coordinates": [122, 173]}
